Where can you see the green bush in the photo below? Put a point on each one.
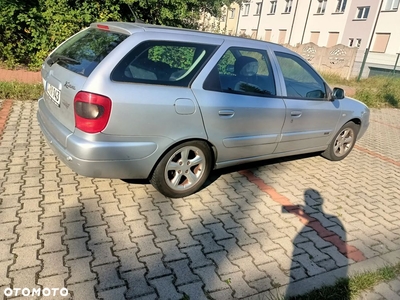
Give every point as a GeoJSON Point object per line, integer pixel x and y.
{"type": "Point", "coordinates": [379, 91]}
{"type": "Point", "coordinates": [376, 91]}
{"type": "Point", "coordinates": [29, 30]}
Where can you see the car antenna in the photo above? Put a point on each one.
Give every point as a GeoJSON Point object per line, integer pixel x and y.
{"type": "Point", "coordinates": [137, 20]}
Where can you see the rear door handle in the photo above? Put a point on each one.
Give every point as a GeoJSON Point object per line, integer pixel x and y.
{"type": "Point", "coordinates": [227, 113]}
{"type": "Point", "coordinates": [296, 114]}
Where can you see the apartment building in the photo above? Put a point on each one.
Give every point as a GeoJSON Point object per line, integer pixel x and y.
{"type": "Point", "coordinates": [230, 19]}
{"type": "Point", "coordinates": [373, 24]}
{"type": "Point", "coordinates": [385, 46]}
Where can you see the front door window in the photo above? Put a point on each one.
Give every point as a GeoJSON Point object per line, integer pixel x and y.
{"type": "Point", "coordinates": [301, 80]}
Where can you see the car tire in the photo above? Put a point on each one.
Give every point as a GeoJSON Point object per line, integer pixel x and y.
{"type": "Point", "coordinates": [183, 170]}
{"type": "Point", "coordinates": [343, 142]}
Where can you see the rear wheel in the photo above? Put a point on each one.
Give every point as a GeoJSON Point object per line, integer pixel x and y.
{"type": "Point", "coordinates": [183, 170]}
{"type": "Point", "coordinates": [343, 142]}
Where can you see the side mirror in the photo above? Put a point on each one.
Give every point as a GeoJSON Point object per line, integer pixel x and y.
{"type": "Point", "coordinates": [337, 93]}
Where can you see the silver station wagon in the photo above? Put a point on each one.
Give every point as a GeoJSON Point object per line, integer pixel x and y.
{"type": "Point", "coordinates": [137, 101]}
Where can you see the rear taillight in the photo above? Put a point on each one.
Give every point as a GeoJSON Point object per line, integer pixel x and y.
{"type": "Point", "coordinates": [92, 112]}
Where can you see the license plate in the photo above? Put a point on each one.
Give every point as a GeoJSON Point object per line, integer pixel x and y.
{"type": "Point", "coordinates": [54, 93]}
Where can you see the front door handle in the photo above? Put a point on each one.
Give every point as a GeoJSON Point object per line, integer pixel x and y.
{"type": "Point", "coordinates": [227, 113]}
{"type": "Point", "coordinates": [296, 114]}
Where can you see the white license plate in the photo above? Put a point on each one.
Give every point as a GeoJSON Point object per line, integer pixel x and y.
{"type": "Point", "coordinates": [54, 93]}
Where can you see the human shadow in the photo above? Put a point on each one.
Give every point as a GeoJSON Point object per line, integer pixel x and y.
{"type": "Point", "coordinates": [320, 252]}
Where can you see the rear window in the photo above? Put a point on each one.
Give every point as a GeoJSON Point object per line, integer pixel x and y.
{"type": "Point", "coordinates": [83, 52]}
{"type": "Point", "coordinates": [163, 62]}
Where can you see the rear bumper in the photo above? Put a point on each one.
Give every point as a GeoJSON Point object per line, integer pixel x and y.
{"type": "Point", "coordinates": [93, 158]}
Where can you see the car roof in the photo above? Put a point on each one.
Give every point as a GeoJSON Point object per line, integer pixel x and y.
{"type": "Point", "coordinates": [131, 27]}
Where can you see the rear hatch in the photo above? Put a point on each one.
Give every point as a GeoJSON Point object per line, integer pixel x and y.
{"type": "Point", "coordinates": [66, 70]}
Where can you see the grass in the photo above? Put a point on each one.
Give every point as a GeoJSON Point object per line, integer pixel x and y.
{"type": "Point", "coordinates": [20, 91]}
{"type": "Point", "coordinates": [349, 288]}
{"type": "Point", "coordinates": [376, 91]}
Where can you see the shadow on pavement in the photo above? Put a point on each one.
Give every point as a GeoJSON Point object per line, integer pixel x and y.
{"type": "Point", "coordinates": [313, 207]}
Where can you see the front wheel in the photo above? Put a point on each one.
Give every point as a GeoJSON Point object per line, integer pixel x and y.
{"type": "Point", "coordinates": [343, 142]}
{"type": "Point", "coordinates": [183, 170]}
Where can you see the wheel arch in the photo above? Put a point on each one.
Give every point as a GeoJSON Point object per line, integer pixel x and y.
{"type": "Point", "coordinates": [356, 121]}
{"type": "Point", "coordinates": [212, 147]}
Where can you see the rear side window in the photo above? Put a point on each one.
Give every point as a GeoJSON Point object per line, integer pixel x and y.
{"type": "Point", "coordinates": [83, 52]}
{"type": "Point", "coordinates": [163, 62]}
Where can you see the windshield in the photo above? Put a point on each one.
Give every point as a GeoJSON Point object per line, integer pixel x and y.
{"type": "Point", "coordinates": [83, 52]}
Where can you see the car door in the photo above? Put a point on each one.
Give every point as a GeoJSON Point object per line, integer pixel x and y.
{"type": "Point", "coordinates": [311, 117]}
{"type": "Point", "coordinates": [236, 93]}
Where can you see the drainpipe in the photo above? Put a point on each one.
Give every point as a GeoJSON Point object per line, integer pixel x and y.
{"type": "Point", "coordinates": [237, 25]}
{"type": "Point", "coordinates": [259, 17]}
{"type": "Point", "coordinates": [226, 19]}
{"type": "Point", "coordinates": [294, 18]}
{"type": "Point", "coordinates": [370, 42]}
{"type": "Point", "coordinates": [305, 25]}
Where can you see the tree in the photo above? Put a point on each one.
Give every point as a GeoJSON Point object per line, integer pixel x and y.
{"type": "Point", "coordinates": [29, 30]}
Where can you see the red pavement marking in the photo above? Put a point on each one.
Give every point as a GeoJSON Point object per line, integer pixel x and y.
{"type": "Point", "coordinates": [327, 235]}
{"type": "Point", "coordinates": [377, 155]}
{"type": "Point", "coordinates": [4, 113]}
{"type": "Point", "coordinates": [375, 121]}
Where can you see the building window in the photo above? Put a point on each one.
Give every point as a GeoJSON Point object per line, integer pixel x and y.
{"type": "Point", "coordinates": [362, 13]}
{"type": "Point", "coordinates": [358, 43]}
{"type": "Point", "coordinates": [288, 7]}
{"type": "Point", "coordinates": [232, 13]}
{"type": "Point", "coordinates": [341, 6]}
{"type": "Point", "coordinates": [273, 7]}
{"type": "Point", "coordinates": [351, 42]}
{"type": "Point", "coordinates": [333, 38]}
{"type": "Point", "coordinates": [282, 36]}
{"type": "Point", "coordinates": [314, 37]}
{"type": "Point", "coordinates": [321, 6]}
{"type": "Point", "coordinates": [254, 34]}
{"type": "Point", "coordinates": [268, 33]}
{"type": "Point", "coordinates": [381, 42]}
{"type": "Point", "coordinates": [258, 8]}
{"type": "Point", "coordinates": [392, 4]}
{"type": "Point", "coordinates": [246, 9]}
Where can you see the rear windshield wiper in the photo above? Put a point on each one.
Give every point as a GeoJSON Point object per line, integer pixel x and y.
{"type": "Point", "coordinates": [56, 58]}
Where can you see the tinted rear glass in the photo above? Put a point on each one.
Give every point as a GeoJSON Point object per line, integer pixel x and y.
{"type": "Point", "coordinates": [163, 62]}
{"type": "Point", "coordinates": [86, 50]}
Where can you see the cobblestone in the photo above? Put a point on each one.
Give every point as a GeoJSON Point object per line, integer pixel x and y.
{"type": "Point", "coordinates": [238, 237]}
{"type": "Point", "coordinates": [166, 288]}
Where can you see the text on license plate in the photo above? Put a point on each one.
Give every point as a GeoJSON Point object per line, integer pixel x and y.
{"type": "Point", "coordinates": [54, 93]}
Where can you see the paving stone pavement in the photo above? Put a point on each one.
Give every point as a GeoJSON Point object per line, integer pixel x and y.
{"type": "Point", "coordinates": [278, 227]}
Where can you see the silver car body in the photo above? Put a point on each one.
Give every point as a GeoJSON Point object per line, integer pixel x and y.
{"type": "Point", "coordinates": [147, 120]}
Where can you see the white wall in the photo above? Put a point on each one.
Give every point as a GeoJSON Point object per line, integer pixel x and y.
{"type": "Point", "coordinates": [330, 21]}
{"type": "Point", "coordinates": [389, 21]}
{"type": "Point", "coordinates": [249, 22]}
{"type": "Point", "coordinates": [276, 22]}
